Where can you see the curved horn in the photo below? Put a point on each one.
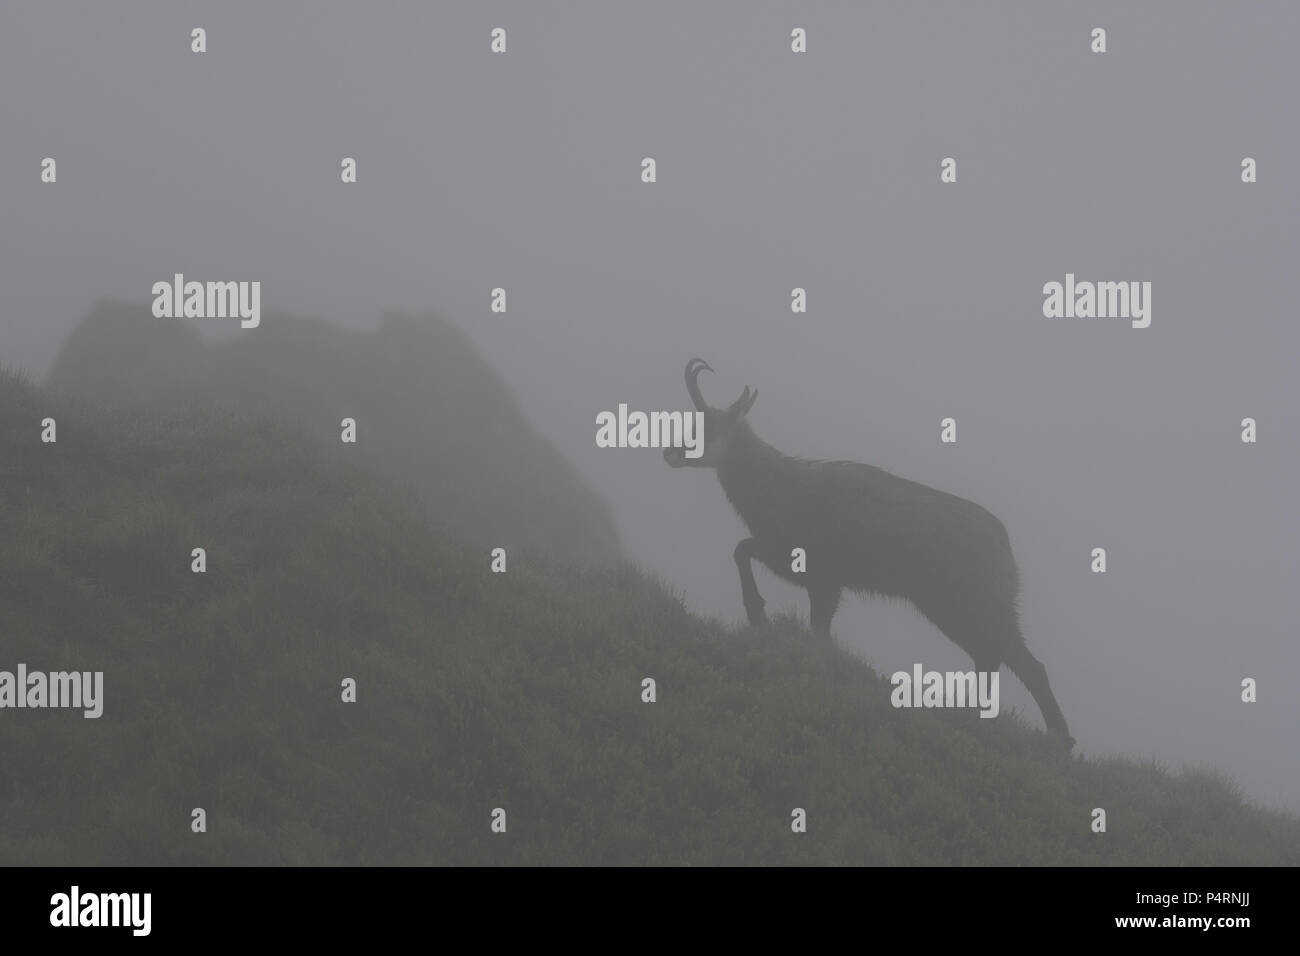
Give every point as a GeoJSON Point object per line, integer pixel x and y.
{"type": "Point", "coordinates": [741, 406]}
{"type": "Point", "coordinates": [693, 369]}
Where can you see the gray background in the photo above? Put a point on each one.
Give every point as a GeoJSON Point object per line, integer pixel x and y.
{"type": "Point", "coordinates": [775, 170]}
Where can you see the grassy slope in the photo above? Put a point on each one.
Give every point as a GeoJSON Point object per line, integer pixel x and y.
{"type": "Point", "coordinates": [475, 691]}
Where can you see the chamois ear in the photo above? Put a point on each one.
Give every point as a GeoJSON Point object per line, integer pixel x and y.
{"type": "Point", "coordinates": [740, 408]}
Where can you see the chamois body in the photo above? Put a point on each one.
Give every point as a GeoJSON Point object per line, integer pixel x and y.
{"type": "Point", "coordinates": [866, 530]}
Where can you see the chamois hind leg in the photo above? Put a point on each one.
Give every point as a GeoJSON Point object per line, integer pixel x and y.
{"type": "Point", "coordinates": [1033, 674]}
{"type": "Point", "coordinates": [823, 601]}
{"type": "Point", "coordinates": [745, 554]}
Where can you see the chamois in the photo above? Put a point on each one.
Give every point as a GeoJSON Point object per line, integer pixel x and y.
{"type": "Point", "coordinates": [869, 531]}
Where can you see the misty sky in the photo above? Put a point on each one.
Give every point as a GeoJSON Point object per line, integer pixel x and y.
{"type": "Point", "coordinates": [775, 171]}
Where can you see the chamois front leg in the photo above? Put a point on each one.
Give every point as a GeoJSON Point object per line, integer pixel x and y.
{"type": "Point", "coordinates": [823, 600]}
{"type": "Point", "coordinates": [746, 552]}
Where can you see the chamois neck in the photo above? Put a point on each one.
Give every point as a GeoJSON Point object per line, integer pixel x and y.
{"type": "Point", "coordinates": [752, 469]}
{"type": "Point", "coordinates": [744, 446]}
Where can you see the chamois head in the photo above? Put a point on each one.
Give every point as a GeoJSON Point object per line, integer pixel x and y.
{"type": "Point", "coordinates": [718, 422]}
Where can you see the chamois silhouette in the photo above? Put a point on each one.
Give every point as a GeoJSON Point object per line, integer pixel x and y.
{"type": "Point", "coordinates": [866, 530]}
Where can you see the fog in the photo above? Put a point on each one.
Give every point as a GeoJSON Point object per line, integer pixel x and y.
{"type": "Point", "coordinates": [774, 171]}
